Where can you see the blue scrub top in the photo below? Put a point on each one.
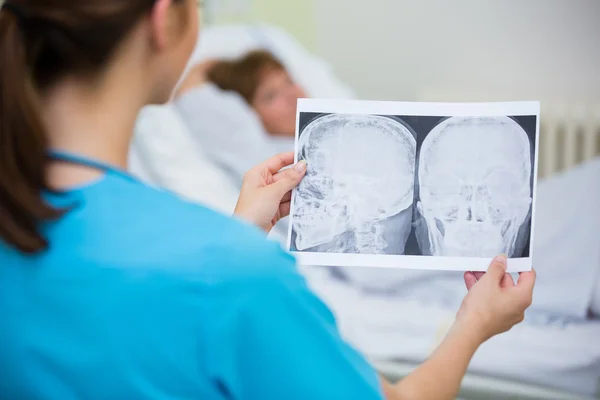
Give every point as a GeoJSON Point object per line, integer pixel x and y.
{"type": "Point", "coordinates": [144, 296]}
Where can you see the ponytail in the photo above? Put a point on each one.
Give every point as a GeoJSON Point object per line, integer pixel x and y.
{"type": "Point", "coordinates": [23, 145]}
{"type": "Point", "coordinates": [42, 42]}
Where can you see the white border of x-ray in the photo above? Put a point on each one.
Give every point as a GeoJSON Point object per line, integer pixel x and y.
{"type": "Point", "coordinates": [325, 106]}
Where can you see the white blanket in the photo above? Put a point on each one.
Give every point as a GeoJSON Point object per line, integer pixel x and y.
{"type": "Point", "coordinates": [547, 350]}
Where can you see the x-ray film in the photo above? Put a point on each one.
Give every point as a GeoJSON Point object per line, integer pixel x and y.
{"type": "Point", "coordinates": [443, 186]}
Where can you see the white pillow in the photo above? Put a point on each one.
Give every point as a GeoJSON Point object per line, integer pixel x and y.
{"type": "Point", "coordinates": [163, 155]}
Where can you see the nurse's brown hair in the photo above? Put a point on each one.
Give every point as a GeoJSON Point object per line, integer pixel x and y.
{"type": "Point", "coordinates": [42, 41]}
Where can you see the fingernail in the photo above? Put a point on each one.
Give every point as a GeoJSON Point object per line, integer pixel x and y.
{"type": "Point", "coordinates": [501, 259]}
{"type": "Point", "coordinates": [301, 166]}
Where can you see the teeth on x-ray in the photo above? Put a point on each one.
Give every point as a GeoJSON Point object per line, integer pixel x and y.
{"type": "Point", "coordinates": [361, 172]}
{"type": "Point", "coordinates": [474, 186]}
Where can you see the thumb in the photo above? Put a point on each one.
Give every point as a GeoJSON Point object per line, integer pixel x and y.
{"type": "Point", "coordinates": [497, 269]}
{"type": "Point", "coordinates": [288, 179]}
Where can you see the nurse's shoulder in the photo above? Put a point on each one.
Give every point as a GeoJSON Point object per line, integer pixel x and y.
{"type": "Point", "coordinates": [188, 238]}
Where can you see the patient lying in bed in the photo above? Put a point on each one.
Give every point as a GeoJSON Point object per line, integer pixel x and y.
{"type": "Point", "coordinates": [242, 111]}
{"type": "Point", "coordinates": [267, 120]}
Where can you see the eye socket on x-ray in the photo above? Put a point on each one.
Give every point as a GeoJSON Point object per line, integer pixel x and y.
{"type": "Point", "coordinates": [316, 186]}
{"type": "Point", "coordinates": [503, 183]}
{"type": "Point", "coordinates": [446, 185]}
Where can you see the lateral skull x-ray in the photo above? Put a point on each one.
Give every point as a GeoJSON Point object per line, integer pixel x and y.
{"type": "Point", "coordinates": [474, 180]}
{"type": "Point", "coordinates": [438, 186]}
{"type": "Point", "coordinates": [358, 193]}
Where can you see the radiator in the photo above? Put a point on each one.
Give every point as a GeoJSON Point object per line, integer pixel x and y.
{"type": "Point", "coordinates": [569, 135]}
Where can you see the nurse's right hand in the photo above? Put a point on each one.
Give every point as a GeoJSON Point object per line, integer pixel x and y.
{"type": "Point", "coordinates": [494, 303]}
{"type": "Point", "coordinates": [266, 192]}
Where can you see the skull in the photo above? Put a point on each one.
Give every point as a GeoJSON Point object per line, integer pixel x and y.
{"type": "Point", "coordinates": [474, 187]}
{"type": "Point", "coordinates": [360, 173]}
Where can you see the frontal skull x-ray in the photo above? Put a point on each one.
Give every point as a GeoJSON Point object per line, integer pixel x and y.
{"type": "Point", "coordinates": [358, 193]}
{"type": "Point", "coordinates": [425, 186]}
{"type": "Point", "coordinates": [474, 180]}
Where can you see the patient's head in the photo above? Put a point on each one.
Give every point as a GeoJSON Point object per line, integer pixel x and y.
{"type": "Point", "coordinates": [262, 80]}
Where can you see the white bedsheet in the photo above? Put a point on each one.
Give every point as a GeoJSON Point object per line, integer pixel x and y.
{"type": "Point", "coordinates": [545, 350]}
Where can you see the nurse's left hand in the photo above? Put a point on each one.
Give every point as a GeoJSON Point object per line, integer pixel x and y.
{"type": "Point", "coordinates": [267, 191]}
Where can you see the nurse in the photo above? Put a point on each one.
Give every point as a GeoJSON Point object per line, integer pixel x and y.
{"type": "Point", "coordinates": [110, 289]}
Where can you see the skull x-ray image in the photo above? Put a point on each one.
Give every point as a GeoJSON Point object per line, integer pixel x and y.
{"type": "Point", "coordinates": [358, 193]}
{"type": "Point", "coordinates": [474, 188]}
{"type": "Point", "coordinates": [378, 184]}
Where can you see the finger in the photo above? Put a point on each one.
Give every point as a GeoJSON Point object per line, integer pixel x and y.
{"type": "Point", "coordinates": [289, 179]}
{"type": "Point", "coordinates": [276, 163]}
{"type": "Point", "coordinates": [496, 270]}
{"type": "Point", "coordinates": [278, 176]}
{"type": "Point", "coordinates": [281, 174]}
{"type": "Point", "coordinates": [470, 280]}
{"type": "Point", "coordinates": [284, 209]}
{"type": "Point", "coordinates": [507, 281]}
{"type": "Point", "coordinates": [479, 275]}
{"type": "Point", "coordinates": [270, 167]}
{"type": "Point", "coordinates": [287, 197]}
{"type": "Point", "coordinates": [524, 289]}
{"type": "Point", "coordinates": [527, 280]}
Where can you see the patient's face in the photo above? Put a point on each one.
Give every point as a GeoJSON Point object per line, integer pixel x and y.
{"type": "Point", "coordinates": [275, 102]}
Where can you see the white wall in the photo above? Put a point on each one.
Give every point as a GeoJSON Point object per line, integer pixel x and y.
{"type": "Point", "coordinates": [479, 49]}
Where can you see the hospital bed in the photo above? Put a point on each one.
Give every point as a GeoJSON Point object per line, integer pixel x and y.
{"type": "Point", "coordinates": [320, 81]}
